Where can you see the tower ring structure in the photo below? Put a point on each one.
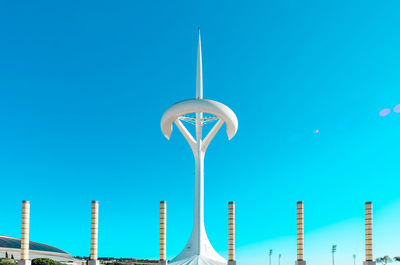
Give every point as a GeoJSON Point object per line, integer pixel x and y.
{"type": "Point", "coordinates": [198, 250]}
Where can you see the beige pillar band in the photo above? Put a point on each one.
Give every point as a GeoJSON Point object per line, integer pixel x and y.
{"type": "Point", "coordinates": [94, 230]}
{"type": "Point", "coordinates": [25, 230]}
{"type": "Point", "coordinates": [163, 230]}
{"type": "Point", "coordinates": [300, 231]}
{"type": "Point", "coordinates": [368, 231]}
{"type": "Point", "coordinates": [231, 232]}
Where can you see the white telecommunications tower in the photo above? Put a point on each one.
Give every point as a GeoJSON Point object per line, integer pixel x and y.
{"type": "Point", "coordinates": [199, 251]}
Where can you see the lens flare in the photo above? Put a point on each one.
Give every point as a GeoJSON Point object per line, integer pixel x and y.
{"type": "Point", "coordinates": [397, 109]}
{"type": "Point", "coordinates": [384, 112]}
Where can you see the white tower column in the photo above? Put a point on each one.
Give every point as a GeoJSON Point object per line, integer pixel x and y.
{"type": "Point", "coordinates": [94, 234]}
{"type": "Point", "coordinates": [368, 235]}
{"type": "Point", "coordinates": [26, 207]}
{"type": "Point", "coordinates": [231, 234]}
{"type": "Point", "coordinates": [300, 234]}
{"type": "Point", "coordinates": [163, 233]}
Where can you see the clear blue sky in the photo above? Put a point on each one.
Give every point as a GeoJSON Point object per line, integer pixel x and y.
{"type": "Point", "coordinates": [83, 86]}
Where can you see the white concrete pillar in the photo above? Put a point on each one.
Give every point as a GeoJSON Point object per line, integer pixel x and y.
{"type": "Point", "coordinates": [300, 234]}
{"type": "Point", "coordinates": [163, 233]}
{"type": "Point", "coordinates": [25, 234]}
{"type": "Point", "coordinates": [94, 234]}
{"type": "Point", "coordinates": [369, 260]}
{"type": "Point", "coordinates": [231, 234]}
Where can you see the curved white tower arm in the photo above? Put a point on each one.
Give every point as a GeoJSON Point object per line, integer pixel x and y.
{"type": "Point", "coordinates": [189, 138]}
{"type": "Point", "coordinates": [199, 106]}
{"type": "Point", "coordinates": [211, 134]}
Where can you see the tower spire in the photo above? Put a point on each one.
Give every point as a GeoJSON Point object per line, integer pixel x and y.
{"type": "Point", "coordinates": [199, 75]}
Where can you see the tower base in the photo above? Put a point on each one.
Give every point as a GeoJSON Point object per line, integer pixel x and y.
{"type": "Point", "coordinates": [24, 262]}
{"type": "Point", "coordinates": [369, 263]}
{"type": "Point", "coordinates": [197, 260]}
{"type": "Point", "coordinates": [93, 262]}
{"type": "Point", "coordinates": [231, 262]}
{"type": "Point", "coordinates": [300, 262]}
{"type": "Point", "coordinates": [162, 262]}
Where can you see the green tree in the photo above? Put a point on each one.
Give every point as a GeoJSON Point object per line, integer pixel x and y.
{"type": "Point", "coordinates": [397, 259]}
{"type": "Point", "coordinates": [6, 255]}
{"type": "Point", "coordinates": [7, 261]}
{"type": "Point", "coordinates": [45, 261]}
{"type": "Point", "coordinates": [384, 260]}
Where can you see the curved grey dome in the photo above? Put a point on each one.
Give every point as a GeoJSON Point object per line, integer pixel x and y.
{"type": "Point", "coordinates": [12, 242]}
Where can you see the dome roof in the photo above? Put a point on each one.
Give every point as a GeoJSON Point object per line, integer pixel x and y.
{"type": "Point", "coordinates": [12, 242]}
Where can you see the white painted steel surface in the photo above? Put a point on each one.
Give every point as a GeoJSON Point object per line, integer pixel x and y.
{"type": "Point", "coordinates": [199, 250]}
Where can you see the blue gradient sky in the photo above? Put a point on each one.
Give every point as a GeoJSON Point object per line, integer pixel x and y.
{"type": "Point", "coordinates": [83, 87]}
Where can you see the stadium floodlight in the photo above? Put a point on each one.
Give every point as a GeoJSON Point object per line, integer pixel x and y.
{"type": "Point", "coordinates": [333, 254]}
{"type": "Point", "coordinates": [199, 250]}
{"type": "Point", "coordinates": [270, 254]}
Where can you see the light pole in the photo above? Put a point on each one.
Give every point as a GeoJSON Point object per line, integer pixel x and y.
{"type": "Point", "coordinates": [270, 254]}
{"type": "Point", "coordinates": [333, 254]}
{"type": "Point", "coordinates": [279, 259]}
{"type": "Point", "coordinates": [354, 258]}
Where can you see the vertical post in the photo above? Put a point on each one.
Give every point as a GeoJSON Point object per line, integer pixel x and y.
{"type": "Point", "coordinates": [163, 233]}
{"type": "Point", "coordinates": [333, 254]}
{"type": "Point", "coordinates": [300, 234]}
{"type": "Point", "coordinates": [368, 235]}
{"type": "Point", "coordinates": [231, 234]}
{"type": "Point", "coordinates": [24, 260]}
{"type": "Point", "coordinates": [197, 240]}
{"type": "Point", "coordinates": [94, 234]}
{"type": "Point", "coordinates": [270, 254]}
